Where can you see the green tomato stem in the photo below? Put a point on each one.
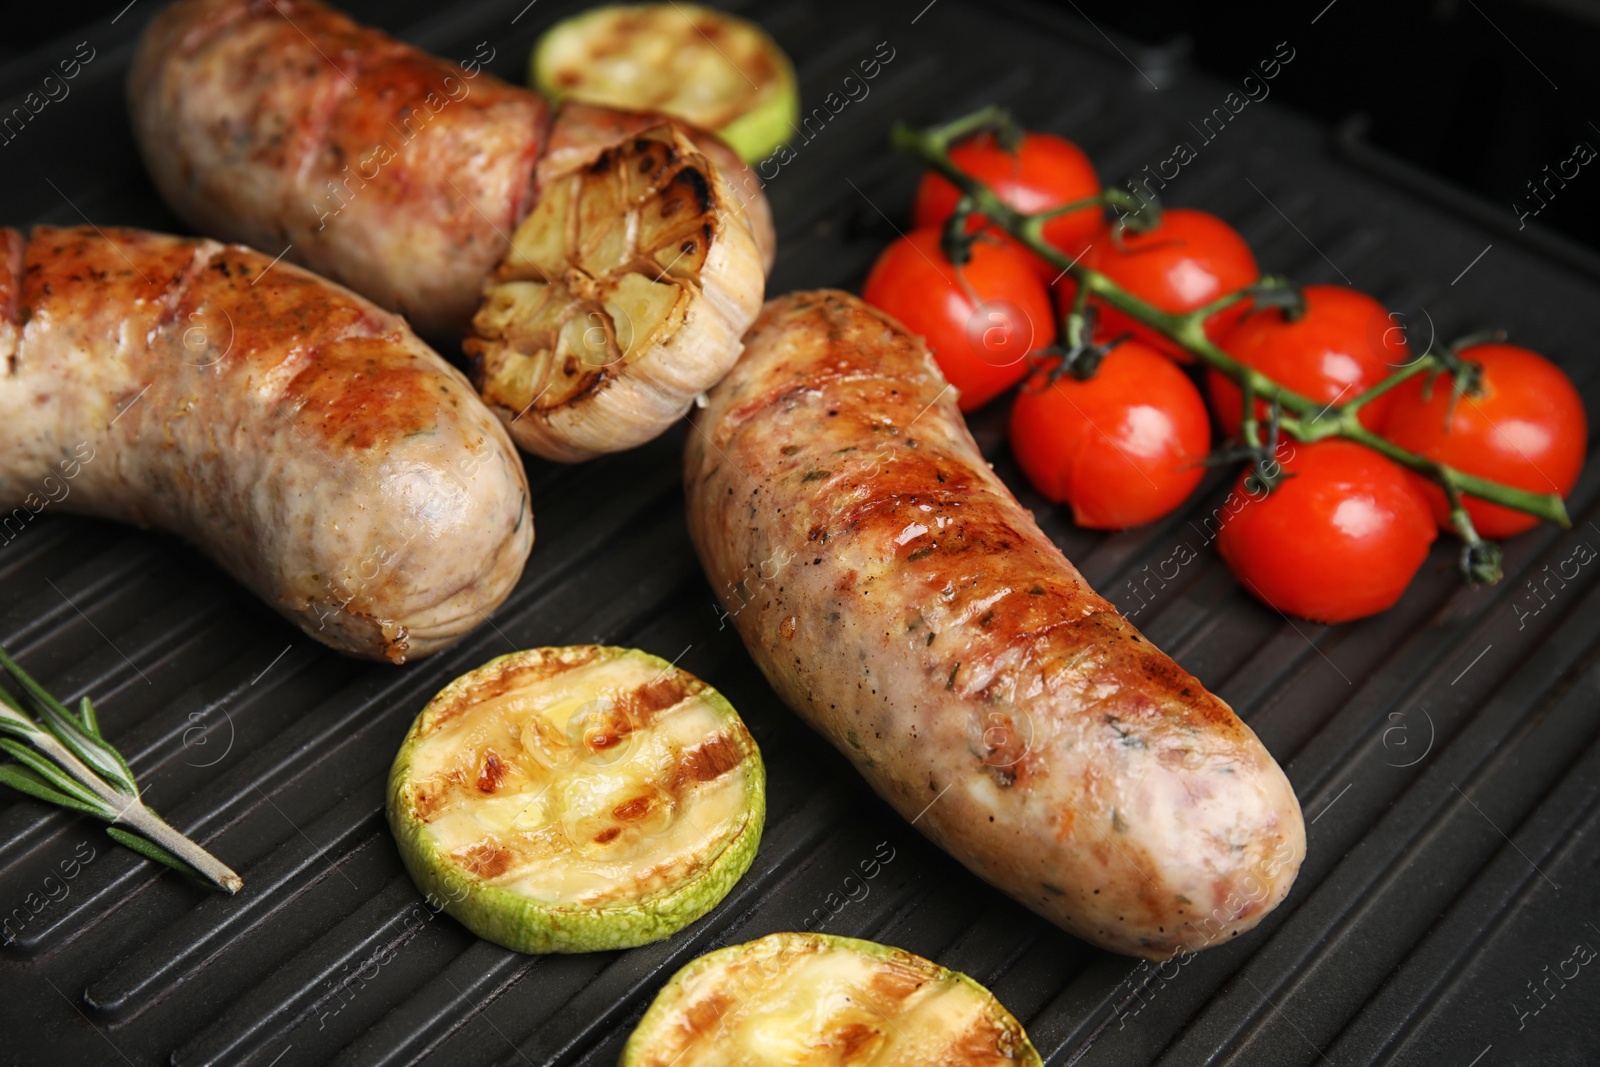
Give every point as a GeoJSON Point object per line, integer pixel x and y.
{"type": "Point", "coordinates": [1249, 426]}
{"type": "Point", "coordinates": [1425, 362]}
{"type": "Point", "coordinates": [1076, 327]}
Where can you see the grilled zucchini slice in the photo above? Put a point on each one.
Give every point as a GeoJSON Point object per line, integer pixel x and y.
{"type": "Point", "coordinates": [824, 1001]}
{"type": "Point", "coordinates": [717, 71]}
{"type": "Point", "coordinates": [624, 296]}
{"type": "Point", "coordinates": [577, 799]}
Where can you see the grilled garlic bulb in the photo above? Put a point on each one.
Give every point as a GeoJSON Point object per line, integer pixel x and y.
{"type": "Point", "coordinates": [624, 296]}
{"type": "Point", "coordinates": [815, 999]}
{"type": "Point", "coordinates": [577, 799]}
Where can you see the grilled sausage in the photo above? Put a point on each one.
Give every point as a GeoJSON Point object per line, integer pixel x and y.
{"type": "Point", "coordinates": [898, 597]}
{"type": "Point", "coordinates": [301, 437]}
{"type": "Point", "coordinates": [282, 122]}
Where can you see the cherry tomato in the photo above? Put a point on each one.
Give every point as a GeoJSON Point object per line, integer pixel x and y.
{"type": "Point", "coordinates": [1339, 540]}
{"type": "Point", "coordinates": [1188, 260]}
{"type": "Point", "coordinates": [981, 320]}
{"type": "Point", "coordinates": [1526, 428]}
{"type": "Point", "coordinates": [1122, 448]}
{"type": "Point", "coordinates": [1343, 345]}
{"type": "Point", "coordinates": [1045, 172]}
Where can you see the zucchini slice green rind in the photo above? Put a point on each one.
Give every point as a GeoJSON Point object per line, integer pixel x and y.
{"type": "Point", "coordinates": [718, 71]}
{"type": "Point", "coordinates": [577, 799]}
{"type": "Point", "coordinates": [816, 999]}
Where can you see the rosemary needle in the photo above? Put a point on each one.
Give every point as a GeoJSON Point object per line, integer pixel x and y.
{"type": "Point", "coordinates": [72, 765]}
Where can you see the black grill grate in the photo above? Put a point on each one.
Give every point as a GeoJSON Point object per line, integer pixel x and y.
{"type": "Point", "coordinates": [1444, 875]}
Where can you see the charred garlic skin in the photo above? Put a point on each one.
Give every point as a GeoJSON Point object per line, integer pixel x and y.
{"type": "Point", "coordinates": [790, 997]}
{"type": "Point", "coordinates": [577, 799]}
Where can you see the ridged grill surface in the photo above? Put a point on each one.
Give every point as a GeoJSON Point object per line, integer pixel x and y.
{"type": "Point", "coordinates": [1445, 752]}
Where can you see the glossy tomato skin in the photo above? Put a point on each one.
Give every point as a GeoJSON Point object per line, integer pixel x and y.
{"type": "Point", "coordinates": [1343, 345]}
{"type": "Point", "coordinates": [1046, 171]}
{"type": "Point", "coordinates": [1527, 429]}
{"type": "Point", "coordinates": [980, 320]}
{"type": "Point", "coordinates": [1122, 448]}
{"type": "Point", "coordinates": [1339, 540]}
{"type": "Point", "coordinates": [1190, 259]}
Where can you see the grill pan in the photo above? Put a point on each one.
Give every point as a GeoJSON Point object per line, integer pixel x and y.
{"type": "Point", "coordinates": [1445, 752]}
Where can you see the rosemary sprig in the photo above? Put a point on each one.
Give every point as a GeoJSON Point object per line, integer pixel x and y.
{"type": "Point", "coordinates": [72, 765]}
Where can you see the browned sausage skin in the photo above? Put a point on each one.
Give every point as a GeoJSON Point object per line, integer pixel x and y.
{"type": "Point", "coordinates": [283, 123]}
{"type": "Point", "coordinates": [306, 440]}
{"type": "Point", "coordinates": [899, 598]}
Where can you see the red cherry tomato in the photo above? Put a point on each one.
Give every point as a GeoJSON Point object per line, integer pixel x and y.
{"type": "Point", "coordinates": [1188, 260]}
{"type": "Point", "coordinates": [1527, 429]}
{"type": "Point", "coordinates": [1343, 345]}
{"type": "Point", "coordinates": [981, 320]}
{"type": "Point", "coordinates": [1045, 172]}
{"type": "Point", "coordinates": [1339, 540]}
{"type": "Point", "coordinates": [1122, 448]}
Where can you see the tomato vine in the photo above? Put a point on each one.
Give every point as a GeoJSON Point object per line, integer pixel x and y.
{"type": "Point", "coordinates": [1291, 413]}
